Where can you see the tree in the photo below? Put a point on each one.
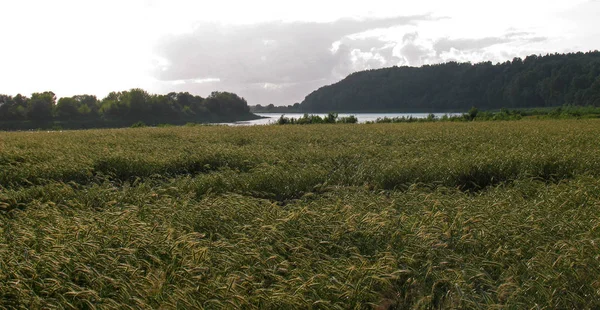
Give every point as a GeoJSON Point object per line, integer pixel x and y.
{"type": "Point", "coordinates": [88, 105]}
{"type": "Point", "coordinates": [6, 102]}
{"type": "Point", "coordinates": [67, 108]}
{"type": "Point", "coordinates": [225, 103]}
{"type": "Point", "coordinates": [40, 106]}
{"type": "Point", "coordinates": [138, 102]}
{"type": "Point", "coordinates": [472, 114]}
{"type": "Point", "coordinates": [112, 106]}
{"type": "Point", "coordinates": [123, 107]}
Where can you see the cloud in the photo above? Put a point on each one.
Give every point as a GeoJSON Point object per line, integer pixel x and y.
{"type": "Point", "coordinates": [414, 54]}
{"type": "Point", "coordinates": [413, 50]}
{"type": "Point", "coordinates": [289, 57]}
{"type": "Point", "coordinates": [513, 33]}
{"type": "Point", "coordinates": [477, 44]}
{"type": "Point", "coordinates": [281, 62]}
{"type": "Point", "coordinates": [445, 44]}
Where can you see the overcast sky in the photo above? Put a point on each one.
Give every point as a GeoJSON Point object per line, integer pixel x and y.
{"type": "Point", "coordinates": [267, 51]}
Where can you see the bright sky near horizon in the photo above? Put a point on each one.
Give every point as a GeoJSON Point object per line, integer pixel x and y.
{"type": "Point", "coordinates": [264, 50]}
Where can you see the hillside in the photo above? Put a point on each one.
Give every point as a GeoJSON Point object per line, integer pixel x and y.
{"type": "Point", "coordinates": [536, 81]}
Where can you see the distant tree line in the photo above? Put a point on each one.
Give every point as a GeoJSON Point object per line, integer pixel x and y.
{"type": "Point", "coordinates": [562, 112]}
{"type": "Point", "coordinates": [123, 107]}
{"type": "Point", "coordinates": [271, 108]}
{"type": "Point", "coordinates": [537, 81]}
{"type": "Point", "coordinates": [306, 119]}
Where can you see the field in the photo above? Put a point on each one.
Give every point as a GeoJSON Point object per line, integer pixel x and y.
{"type": "Point", "coordinates": [384, 216]}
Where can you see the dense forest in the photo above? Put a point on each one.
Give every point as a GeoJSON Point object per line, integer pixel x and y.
{"type": "Point", "coordinates": [536, 81]}
{"type": "Point", "coordinates": [124, 108]}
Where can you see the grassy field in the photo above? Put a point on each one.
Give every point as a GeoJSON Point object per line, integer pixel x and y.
{"type": "Point", "coordinates": [385, 216]}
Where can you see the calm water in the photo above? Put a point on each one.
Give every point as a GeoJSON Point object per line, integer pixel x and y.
{"type": "Point", "coordinates": [362, 117]}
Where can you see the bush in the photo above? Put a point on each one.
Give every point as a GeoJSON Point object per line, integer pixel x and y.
{"type": "Point", "coordinates": [138, 124]}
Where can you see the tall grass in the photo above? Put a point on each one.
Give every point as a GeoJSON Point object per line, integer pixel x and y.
{"type": "Point", "coordinates": [428, 215]}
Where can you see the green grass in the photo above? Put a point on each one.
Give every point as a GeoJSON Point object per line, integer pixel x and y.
{"type": "Point", "coordinates": [387, 216]}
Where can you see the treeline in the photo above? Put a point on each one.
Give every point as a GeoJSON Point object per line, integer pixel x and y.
{"type": "Point", "coordinates": [120, 108]}
{"type": "Point", "coordinates": [562, 112]}
{"type": "Point", "coordinates": [271, 108]}
{"type": "Point", "coordinates": [537, 81]}
{"type": "Point", "coordinates": [306, 119]}
{"type": "Point", "coordinates": [472, 115]}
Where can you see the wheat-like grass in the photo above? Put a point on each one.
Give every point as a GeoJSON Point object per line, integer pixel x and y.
{"type": "Point", "coordinates": [432, 215]}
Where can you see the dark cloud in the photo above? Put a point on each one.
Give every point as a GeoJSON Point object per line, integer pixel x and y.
{"type": "Point", "coordinates": [388, 54]}
{"type": "Point", "coordinates": [275, 56]}
{"type": "Point", "coordinates": [517, 34]}
{"type": "Point", "coordinates": [536, 39]}
{"type": "Point", "coordinates": [414, 54]}
{"type": "Point", "coordinates": [445, 44]}
{"type": "Point", "coordinates": [364, 44]}
{"type": "Point", "coordinates": [526, 37]}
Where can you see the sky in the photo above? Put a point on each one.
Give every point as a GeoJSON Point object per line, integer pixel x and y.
{"type": "Point", "coordinates": [267, 51]}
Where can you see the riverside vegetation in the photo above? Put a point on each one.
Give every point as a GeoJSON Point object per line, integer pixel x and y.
{"type": "Point", "coordinates": [563, 112]}
{"type": "Point", "coordinates": [385, 216]}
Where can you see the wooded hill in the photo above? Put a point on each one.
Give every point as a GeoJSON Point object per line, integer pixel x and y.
{"type": "Point", "coordinates": [536, 81]}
